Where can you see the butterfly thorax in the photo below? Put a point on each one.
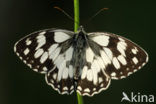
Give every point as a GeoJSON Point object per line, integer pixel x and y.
{"type": "Point", "coordinates": [78, 59]}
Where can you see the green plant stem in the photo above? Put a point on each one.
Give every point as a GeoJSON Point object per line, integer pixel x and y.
{"type": "Point", "coordinates": [79, 98]}
{"type": "Point", "coordinates": [76, 26]}
{"type": "Point", "coordinates": [76, 15]}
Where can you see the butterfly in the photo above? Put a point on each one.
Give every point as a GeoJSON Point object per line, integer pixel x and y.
{"type": "Point", "coordinates": [80, 61]}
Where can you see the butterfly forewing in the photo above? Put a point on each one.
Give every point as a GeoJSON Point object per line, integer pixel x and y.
{"type": "Point", "coordinates": [120, 56]}
{"type": "Point", "coordinates": [35, 49]}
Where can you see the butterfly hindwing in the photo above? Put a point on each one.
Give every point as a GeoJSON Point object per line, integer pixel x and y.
{"type": "Point", "coordinates": [61, 76]}
{"type": "Point", "coordinates": [64, 84]}
{"type": "Point", "coordinates": [93, 78]}
{"type": "Point", "coordinates": [121, 57]}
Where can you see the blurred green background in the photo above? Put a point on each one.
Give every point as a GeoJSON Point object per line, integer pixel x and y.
{"type": "Point", "coordinates": [133, 19]}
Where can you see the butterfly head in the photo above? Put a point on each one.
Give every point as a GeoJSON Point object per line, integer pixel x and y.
{"type": "Point", "coordinates": [81, 30]}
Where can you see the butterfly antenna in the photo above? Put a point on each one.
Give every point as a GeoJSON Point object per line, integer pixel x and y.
{"type": "Point", "coordinates": [58, 8]}
{"type": "Point", "coordinates": [71, 18]}
{"type": "Point", "coordinates": [98, 12]}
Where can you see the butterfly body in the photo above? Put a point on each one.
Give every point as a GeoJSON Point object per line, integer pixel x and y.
{"type": "Point", "coordinates": [85, 62]}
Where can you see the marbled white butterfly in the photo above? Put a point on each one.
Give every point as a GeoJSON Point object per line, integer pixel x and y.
{"type": "Point", "coordinates": [85, 62]}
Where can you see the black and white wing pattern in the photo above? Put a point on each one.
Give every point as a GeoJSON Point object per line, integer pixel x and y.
{"type": "Point", "coordinates": [49, 52]}
{"type": "Point", "coordinates": [80, 61]}
{"type": "Point", "coordinates": [121, 56]}
{"type": "Point", "coordinates": [93, 78]}
{"type": "Point", "coordinates": [108, 56]}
